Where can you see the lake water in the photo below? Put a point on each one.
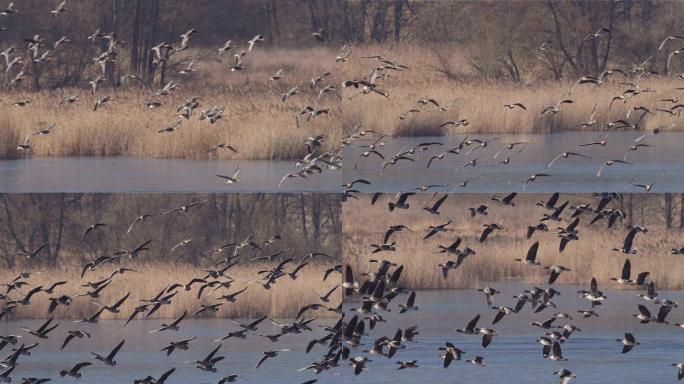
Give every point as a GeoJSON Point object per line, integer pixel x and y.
{"type": "Point", "coordinates": [121, 174]}
{"type": "Point", "coordinates": [568, 175]}
{"type": "Point", "coordinates": [139, 356]}
{"type": "Point", "coordinates": [515, 356]}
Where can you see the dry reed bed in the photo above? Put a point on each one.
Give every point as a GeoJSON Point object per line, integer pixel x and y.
{"type": "Point", "coordinates": [256, 122]}
{"type": "Point", "coordinates": [591, 256]}
{"type": "Point", "coordinates": [482, 101]}
{"type": "Point", "coordinates": [283, 300]}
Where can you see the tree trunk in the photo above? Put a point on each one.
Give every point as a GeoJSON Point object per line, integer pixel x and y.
{"type": "Point", "coordinates": [398, 13]}
{"type": "Point", "coordinates": [668, 210]}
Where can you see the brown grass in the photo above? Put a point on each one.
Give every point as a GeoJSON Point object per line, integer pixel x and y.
{"type": "Point", "coordinates": [591, 256]}
{"type": "Point", "coordinates": [283, 300]}
{"type": "Point", "coordinates": [256, 122]}
{"type": "Point", "coordinates": [482, 101]}
{"type": "Point", "coordinates": [10, 137]}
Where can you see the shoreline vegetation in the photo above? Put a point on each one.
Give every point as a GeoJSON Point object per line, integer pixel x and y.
{"type": "Point", "coordinates": [259, 125]}
{"type": "Point", "coordinates": [282, 300]}
{"type": "Point", "coordinates": [168, 239]}
{"type": "Point", "coordinates": [256, 122]}
{"type": "Point", "coordinates": [494, 261]}
{"type": "Point", "coordinates": [481, 101]}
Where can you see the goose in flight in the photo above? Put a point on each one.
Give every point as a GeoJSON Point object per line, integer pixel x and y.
{"type": "Point", "coordinates": [479, 210]}
{"type": "Point", "coordinates": [433, 230]}
{"type": "Point", "coordinates": [26, 145]}
{"type": "Point", "coordinates": [109, 359]}
{"type": "Point", "coordinates": [226, 47]}
{"type": "Point", "coordinates": [680, 370]}
{"type": "Point", "coordinates": [32, 253]}
{"type": "Point", "coordinates": [627, 246]}
{"type": "Point", "coordinates": [184, 208]}
{"type": "Point", "coordinates": [409, 306]}
{"type": "Point", "coordinates": [183, 345]}
{"type": "Point", "coordinates": [598, 34]}
{"type": "Point", "coordinates": [434, 209]}
{"type": "Point", "coordinates": [207, 364]}
{"type": "Point", "coordinates": [624, 278]}
{"type": "Point", "coordinates": [152, 380]}
{"type": "Point", "coordinates": [9, 10]}
{"type": "Point", "coordinates": [566, 155]}
{"type": "Point", "coordinates": [223, 146]}
{"type": "Point", "coordinates": [5, 375]}
{"type": "Point", "coordinates": [538, 227]}
{"type": "Point", "coordinates": [556, 270]}
{"type": "Point", "coordinates": [42, 331]}
{"type": "Point", "coordinates": [488, 230]}
{"type": "Point", "coordinates": [91, 228]}
{"type": "Point", "coordinates": [92, 319]}
{"type": "Point", "coordinates": [255, 40]}
{"type": "Point", "coordinates": [533, 177]}
{"type": "Point", "coordinates": [139, 220]}
{"type": "Point", "coordinates": [135, 252]}
{"type": "Point", "coordinates": [489, 294]}
{"type": "Point", "coordinates": [114, 308]}
{"type": "Point", "coordinates": [628, 342]}
{"type": "Point", "coordinates": [100, 102]}
{"type": "Point", "coordinates": [487, 335]}
{"type": "Point", "coordinates": [74, 371]}
{"type": "Point", "coordinates": [667, 40]}
{"type": "Point", "coordinates": [401, 202]}
{"type": "Point", "coordinates": [45, 131]}
{"type": "Point", "coordinates": [477, 360]}
{"type": "Point", "coordinates": [501, 312]}
{"type": "Point", "coordinates": [609, 163]}
{"type": "Point", "coordinates": [555, 108]}
{"type": "Point", "coordinates": [470, 328]}
{"type": "Point", "coordinates": [265, 355]}
{"type": "Point", "coordinates": [531, 257]}
{"type": "Point", "coordinates": [73, 334]}
{"type": "Point", "coordinates": [451, 353]}
{"type": "Point", "coordinates": [173, 326]}
{"type": "Point", "coordinates": [318, 79]}
{"type": "Point", "coordinates": [506, 200]}
{"type": "Point", "coordinates": [515, 105]}
{"type": "Point", "coordinates": [234, 179]}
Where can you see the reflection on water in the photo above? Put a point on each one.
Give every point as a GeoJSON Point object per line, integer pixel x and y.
{"type": "Point", "coordinates": [515, 356]}
{"type": "Point", "coordinates": [120, 174]}
{"type": "Point", "coordinates": [140, 356]}
{"type": "Point", "coordinates": [572, 175]}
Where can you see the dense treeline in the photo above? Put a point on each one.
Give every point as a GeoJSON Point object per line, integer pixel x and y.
{"type": "Point", "coordinates": [503, 40]}
{"type": "Point", "coordinates": [305, 222]}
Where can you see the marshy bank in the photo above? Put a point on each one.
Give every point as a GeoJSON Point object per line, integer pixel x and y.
{"type": "Point", "coordinates": [170, 239]}
{"type": "Point", "coordinates": [590, 256]}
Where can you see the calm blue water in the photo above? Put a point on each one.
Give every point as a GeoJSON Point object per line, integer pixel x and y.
{"type": "Point", "coordinates": [122, 174]}
{"type": "Point", "coordinates": [139, 356]}
{"type": "Point", "coordinates": [515, 356]}
{"type": "Point", "coordinates": [568, 175]}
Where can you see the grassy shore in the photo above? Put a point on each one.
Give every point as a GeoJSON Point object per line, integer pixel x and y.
{"type": "Point", "coordinates": [256, 121]}
{"type": "Point", "coordinates": [283, 300]}
{"type": "Point", "coordinates": [591, 256]}
{"type": "Point", "coordinates": [481, 101]}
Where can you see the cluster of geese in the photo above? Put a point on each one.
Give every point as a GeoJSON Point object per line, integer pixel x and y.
{"type": "Point", "coordinates": [211, 291]}
{"type": "Point", "coordinates": [379, 288]}
{"type": "Point", "coordinates": [41, 51]}
{"type": "Point", "coordinates": [503, 152]}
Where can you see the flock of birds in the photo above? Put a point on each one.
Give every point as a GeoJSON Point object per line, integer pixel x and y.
{"type": "Point", "coordinates": [475, 150]}
{"type": "Point", "coordinates": [379, 290]}
{"type": "Point", "coordinates": [211, 291]}
{"type": "Point", "coordinates": [40, 51]}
